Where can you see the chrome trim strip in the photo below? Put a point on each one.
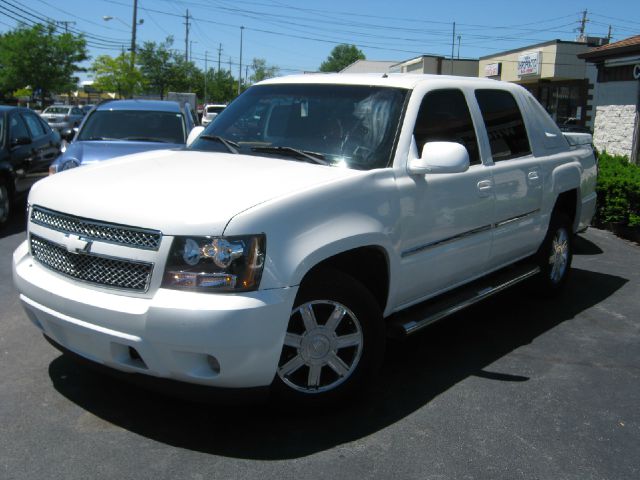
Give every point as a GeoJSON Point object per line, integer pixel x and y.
{"type": "Point", "coordinates": [515, 219]}
{"type": "Point", "coordinates": [414, 250]}
{"type": "Point", "coordinates": [418, 249]}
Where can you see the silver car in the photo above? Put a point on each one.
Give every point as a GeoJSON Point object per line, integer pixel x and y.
{"type": "Point", "coordinates": [61, 117]}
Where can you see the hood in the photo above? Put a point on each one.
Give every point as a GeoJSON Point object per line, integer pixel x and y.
{"type": "Point", "coordinates": [178, 192]}
{"type": "Point", "coordinates": [93, 151]}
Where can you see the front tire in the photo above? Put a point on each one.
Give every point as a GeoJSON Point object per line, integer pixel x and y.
{"type": "Point", "coordinates": [555, 255]}
{"type": "Point", "coordinates": [334, 342]}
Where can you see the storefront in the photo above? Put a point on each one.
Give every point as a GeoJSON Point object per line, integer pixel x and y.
{"type": "Point", "coordinates": [617, 97]}
{"type": "Point", "coordinates": [553, 73]}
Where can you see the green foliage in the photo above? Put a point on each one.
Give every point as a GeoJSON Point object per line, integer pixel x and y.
{"type": "Point", "coordinates": [156, 61]}
{"type": "Point", "coordinates": [261, 71]}
{"type": "Point", "coordinates": [117, 75]}
{"type": "Point", "coordinates": [340, 57]}
{"type": "Point", "coordinates": [618, 192]}
{"type": "Point", "coordinates": [40, 58]}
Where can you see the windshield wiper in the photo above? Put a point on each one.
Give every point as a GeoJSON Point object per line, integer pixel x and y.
{"type": "Point", "coordinates": [313, 157]}
{"type": "Point", "coordinates": [146, 139]}
{"type": "Point", "coordinates": [231, 145]}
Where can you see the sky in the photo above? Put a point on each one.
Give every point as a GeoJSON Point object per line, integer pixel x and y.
{"type": "Point", "coordinates": [297, 36]}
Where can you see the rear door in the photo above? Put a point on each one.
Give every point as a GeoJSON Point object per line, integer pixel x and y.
{"type": "Point", "coordinates": [517, 177]}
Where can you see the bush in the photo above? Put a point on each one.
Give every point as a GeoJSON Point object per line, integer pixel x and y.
{"type": "Point", "coordinates": [618, 192]}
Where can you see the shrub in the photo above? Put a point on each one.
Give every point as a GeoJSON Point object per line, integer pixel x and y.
{"type": "Point", "coordinates": [618, 192]}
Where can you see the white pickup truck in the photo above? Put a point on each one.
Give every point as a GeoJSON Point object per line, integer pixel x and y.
{"type": "Point", "coordinates": [315, 216]}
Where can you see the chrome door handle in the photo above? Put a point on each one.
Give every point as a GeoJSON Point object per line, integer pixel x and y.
{"type": "Point", "coordinates": [485, 188]}
{"type": "Point", "coordinates": [533, 176]}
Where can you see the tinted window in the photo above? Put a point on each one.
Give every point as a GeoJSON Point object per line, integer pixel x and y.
{"type": "Point", "coordinates": [145, 126]}
{"type": "Point", "coordinates": [444, 117]}
{"type": "Point", "coordinates": [17, 128]}
{"type": "Point", "coordinates": [33, 124]}
{"type": "Point", "coordinates": [505, 127]}
{"type": "Point", "coordinates": [45, 126]}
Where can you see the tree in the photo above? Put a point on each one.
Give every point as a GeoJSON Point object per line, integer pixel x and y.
{"type": "Point", "coordinates": [117, 75]}
{"type": "Point", "coordinates": [340, 57]}
{"type": "Point", "coordinates": [156, 63]}
{"type": "Point", "coordinates": [38, 57]}
{"type": "Point", "coordinates": [261, 71]}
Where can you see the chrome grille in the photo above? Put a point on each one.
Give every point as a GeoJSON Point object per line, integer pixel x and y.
{"type": "Point", "coordinates": [93, 230]}
{"type": "Point", "coordinates": [89, 268]}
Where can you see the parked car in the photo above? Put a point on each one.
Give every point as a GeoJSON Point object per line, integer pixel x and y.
{"type": "Point", "coordinates": [210, 112]}
{"type": "Point", "coordinates": [60, 117]}
{"type": "Point", "coordinates": [315, 216]}
{"type": "Point", "coordinates": [121, 127]}
{"type": "Point", "coordinates": [27, 147]}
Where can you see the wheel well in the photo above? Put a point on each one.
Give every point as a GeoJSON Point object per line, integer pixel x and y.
{"type": "Point", "coordinates": [368, 265]}
{"type": "Point", "coordinates": [567, 203]}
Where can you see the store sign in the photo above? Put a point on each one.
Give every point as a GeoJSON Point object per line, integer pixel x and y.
{"type": "Point", "coordinates": [529, 64]}
{"type": "Point", "coordinates": [636, 71]}
{"type": "Point", "coordinates": [492, 69]}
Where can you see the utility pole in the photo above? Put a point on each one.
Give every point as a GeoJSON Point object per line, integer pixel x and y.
{"type": "Point", "coordinates": [459, 38]}
{"type": "Point", "coordinates": [219, 53]}
{"type": "Point", "coordinates": [66, 24]}
{"type": "Point", "coordinates": [206, 72]}
{"type": "Point", "coordinates": [583, 25]}
{"type": "Point", "coordinates": [186, 38]}
{"type": "Point", "coordinates": [229, 65]}
{"type": "Point", "coordinates": [240, 66]}
{"type": "Point", "coordinates": [453, 44]}
{"type": "Point", "coordinates": [609, 35]}
{"type": "Point", "coordinates": [134, 24]}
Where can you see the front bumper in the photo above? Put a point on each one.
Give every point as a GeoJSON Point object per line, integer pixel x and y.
{"type": "Point", "coordinates": [220, 340]}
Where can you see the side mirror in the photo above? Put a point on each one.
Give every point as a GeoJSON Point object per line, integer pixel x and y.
{"type": "Point", "coordinates": [193, 134]}
{"type": "Point", "coordinates": [68, 133]}
{"type": "Point", "coordinates": [20, 141]}
{"type": "Point", "coordinates": [440, 157]}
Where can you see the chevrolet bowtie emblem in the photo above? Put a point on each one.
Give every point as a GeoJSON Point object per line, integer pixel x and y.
{"type": "Point", "coordinates": [75, 244]}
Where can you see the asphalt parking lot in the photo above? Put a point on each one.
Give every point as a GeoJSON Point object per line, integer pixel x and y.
{"type": "Point", "coordinates": [516, 388]}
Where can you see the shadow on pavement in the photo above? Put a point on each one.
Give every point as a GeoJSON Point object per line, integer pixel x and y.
{"type": "Point", "coordinates": [416, 370]}
{"type": "Point", "coordinates": [583, 246]}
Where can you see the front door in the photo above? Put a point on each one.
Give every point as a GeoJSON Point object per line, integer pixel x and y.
{"type": "Point", "coordinates": [447, 218]}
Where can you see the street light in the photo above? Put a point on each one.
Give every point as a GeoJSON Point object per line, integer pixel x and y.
{"type": "Point", "coordinates": [107, 18]}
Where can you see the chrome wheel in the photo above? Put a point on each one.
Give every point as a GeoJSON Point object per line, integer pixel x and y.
{"type": "Point", "coordinates": [322, 347]}
{"type": "Point", "coordinates": [559, 259]}
{"type": "Point", "coordinates": [4, 203]}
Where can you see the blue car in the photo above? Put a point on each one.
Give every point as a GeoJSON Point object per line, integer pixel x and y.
{"type": "Point", "coordinates": [122, 127]}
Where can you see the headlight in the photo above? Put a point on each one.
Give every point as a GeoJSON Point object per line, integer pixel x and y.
{"type": "Point", "coordinates": [215, 264]}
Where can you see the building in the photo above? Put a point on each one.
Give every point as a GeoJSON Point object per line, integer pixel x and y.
{"type": "Point", "coordinates": [369, 66]}
{"type": "Point", "coordinates": [617, 97]}
{"type": "Point", "coordinates": [553, 72]}
{"type": "Point", "coordinates": [437, 65]}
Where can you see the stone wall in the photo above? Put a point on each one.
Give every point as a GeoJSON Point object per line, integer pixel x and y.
{"type": "Point", "coordinates": [614, 129]}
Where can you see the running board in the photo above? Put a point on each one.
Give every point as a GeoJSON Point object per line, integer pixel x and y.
{"type": "Point", "coordinates": [415, 318]}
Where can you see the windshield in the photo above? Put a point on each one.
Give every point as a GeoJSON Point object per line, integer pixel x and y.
{"type": "Point", "coordinates": [60, 110]}
{"type": "Point", "coordinates": [347, 125]}
{"type": "Point", "coordinates": [146, 126]}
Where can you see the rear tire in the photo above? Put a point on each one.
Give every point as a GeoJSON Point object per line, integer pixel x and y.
{"type": "Point", "coordinates": [334, 343]}
{"type": "Point", "coordinates": [5, 202]}
{"type": "Point", "coordinates": [555, 255]}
